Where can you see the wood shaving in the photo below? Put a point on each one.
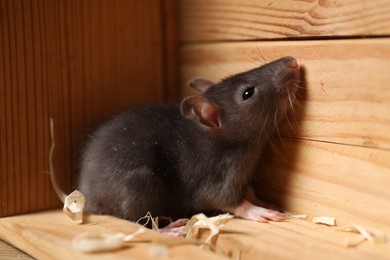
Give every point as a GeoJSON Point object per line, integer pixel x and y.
{"type": "Point", "coordinates": [61, 195]}
{"type": "Point", "coordinates": [149, 218]}
{"type": "Point", "coordinates": [74, 202]}
{"type": "Point", "coordinates": [92, 242]}
{"type": "Point", "coordinates": [74, 205]}
{"type": "Point", "coordinates": [201, 221]}
{"type": "Point", "coordinates": [297, 216]}
{"type": "Point", "coordinates": [371, 234]}
{"type": "Point", "coordinates": [158, 250]}
{"type": "Point", "coordinates": [329, 221]}
{"type": "Point", "coordinates": [353, 242]}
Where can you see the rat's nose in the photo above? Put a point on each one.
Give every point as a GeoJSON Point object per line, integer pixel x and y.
{"type": "Point", "coordinates": [286, 73]}
{"type": "Point", "coordinates": [291, 62]}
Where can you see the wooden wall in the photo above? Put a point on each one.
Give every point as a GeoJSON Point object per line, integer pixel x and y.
{"type": "Point", "coordinates": [334, 158]}
{"type": "Point", "coordinates": [243, 20]}
{"type": "Point", "coordinates": [78, 62]}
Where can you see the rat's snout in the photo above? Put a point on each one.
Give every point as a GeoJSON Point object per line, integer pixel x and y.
{"type": "Point", "coordinates": [286, 73]}
{"type": "Point", "coordinates": [290, 62]}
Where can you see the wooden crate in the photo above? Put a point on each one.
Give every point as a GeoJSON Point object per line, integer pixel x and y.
{"type": "Point", "coordinates": [79, 61]}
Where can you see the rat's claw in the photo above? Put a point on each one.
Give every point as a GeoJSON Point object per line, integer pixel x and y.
{"type": "Point", "coordinates": [247, 210]}
{"type": "Point", "coordinates": [173, 232]}
{"type": "Point", "coordinates": [174, 229]}
{"type": "Point", "coordinates": [276, 216]}
{"type": "Point", "coordinates": [260, 219]}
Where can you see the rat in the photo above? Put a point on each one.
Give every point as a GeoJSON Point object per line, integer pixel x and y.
{"type": "Point", "coordinates": [175, 160]}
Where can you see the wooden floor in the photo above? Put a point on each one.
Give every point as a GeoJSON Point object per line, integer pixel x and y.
{"type": "Point", "coordinates": [9, 252]}
{"type": "Point", "coordinates": [49, 235]}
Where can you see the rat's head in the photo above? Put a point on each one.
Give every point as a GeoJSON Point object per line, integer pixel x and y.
{"type": "Point", "coordinates": [246, 106]}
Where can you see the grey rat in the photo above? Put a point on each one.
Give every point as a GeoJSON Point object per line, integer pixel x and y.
{"type": "Point", "coordinates": [176, 160]}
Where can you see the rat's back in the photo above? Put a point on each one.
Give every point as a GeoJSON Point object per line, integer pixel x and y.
{"type": "Point", "coordinates": [127, 163]}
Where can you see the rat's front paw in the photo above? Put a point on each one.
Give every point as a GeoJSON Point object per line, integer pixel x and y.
{"type": "Point", "coordinates": [247, 210]}
{"type": "Point", "coordinates": [175, 229]}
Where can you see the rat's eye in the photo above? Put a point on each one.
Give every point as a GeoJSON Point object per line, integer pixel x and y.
{"type": "Point", "coordinates": [248, 93]}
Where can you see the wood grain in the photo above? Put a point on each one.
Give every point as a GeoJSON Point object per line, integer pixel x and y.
{"type": "Point", "coordinates": [345, 100]}
{"type": "Point", "coordinates": [78, 62]}
{"type": "Point", "coordinates": [293, 239]}
{"type": "Point", "coordinates": [9, 252]}
{"type": "Point", "coordinates": [334, 156]}
{"type": "Point", "coordinates": [48, 235]}
{"type": "Point", "coordinates": [170, 32]}
{"type": "Point", "coordinates": [250, 19]}
{"type": "Point", "coordinates": [322, 179]}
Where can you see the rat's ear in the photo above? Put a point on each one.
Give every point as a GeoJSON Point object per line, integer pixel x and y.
{"type": "Point", "coordinates": [201, 109]}
{"type": "Point", "coordinates": [200, 84]}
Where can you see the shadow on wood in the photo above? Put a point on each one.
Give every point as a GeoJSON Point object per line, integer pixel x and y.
{"type": "Point", "coordinates": [275, 188]}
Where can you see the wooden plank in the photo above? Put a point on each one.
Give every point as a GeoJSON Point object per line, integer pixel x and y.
{"type": "Point", "coordinates": [48, 235]}
{"type": "Point", "coordinates": [77, 62]}
{"type": "Point", "coordinates": [250, 19]}
{"type": "Point", "coordinates": [293, 239]}
{"type": "Point", "coordinates": [349, 183]}
{"type": "Point", "coordinates": [9, 252]}
{"type": "Point", "coordinates": [346, 98]}
{"type": "Point", "coordinates": [170, 32]}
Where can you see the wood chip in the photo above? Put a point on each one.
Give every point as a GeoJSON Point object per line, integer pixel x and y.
{"type": "Point", "coordinates": [158, 250]}
{"type": "Point", "coordinates": [201, 221]}
{"type": "Point", "coordinates": [92, 242]}
{"type": "Point", "coordinates": [74, 205]}
{"type": "Point", "coordinates": [74, 202]}
{"type": "Point", "coordinates": [149, 218]}
{"type": "Point", "coordinates": [329, 221]}
{"type": "Point", "coordinates": [353, 242]}
{"type": "Point", "coordinates": [297, 216]}
{"type": "Point", "coordinates": [371, 234]}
